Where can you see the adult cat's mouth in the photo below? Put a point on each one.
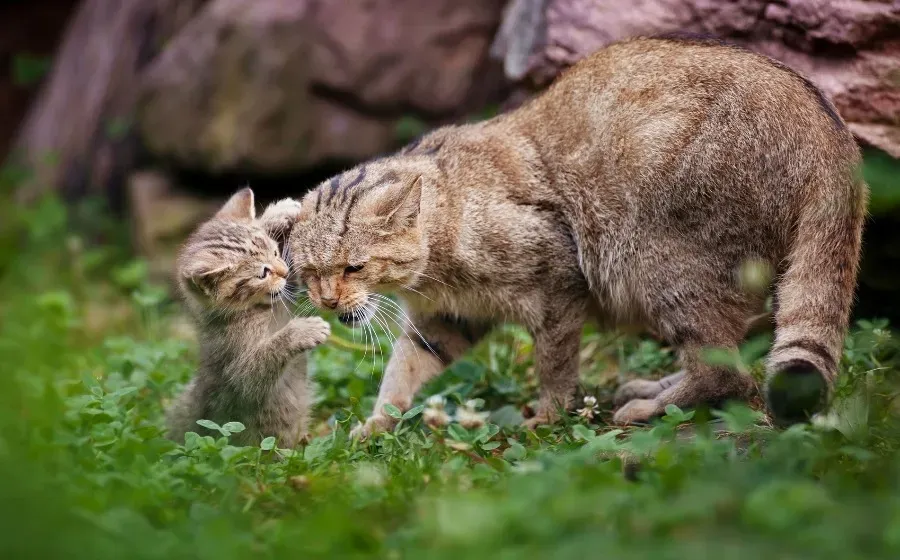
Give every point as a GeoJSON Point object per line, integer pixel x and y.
{"type": "Point", "coordinates": [356, 317]}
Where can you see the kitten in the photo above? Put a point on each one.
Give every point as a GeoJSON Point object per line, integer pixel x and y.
{"type": "Point", "coordinates": [632, 191]}
{"type": "Point", "coordinates": [252, 362]}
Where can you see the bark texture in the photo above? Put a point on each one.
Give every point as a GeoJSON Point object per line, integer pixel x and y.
{"type": "Point", "coordinates": [77, 136]}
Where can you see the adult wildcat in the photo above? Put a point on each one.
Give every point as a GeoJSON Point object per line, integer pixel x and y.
{"type": "Point", "coordinates": [633, 190]}
{"type": "Point", "coordinates": [252, 361]}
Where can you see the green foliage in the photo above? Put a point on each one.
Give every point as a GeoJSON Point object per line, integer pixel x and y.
{"type": "Point", "coordinates": [882, 173]}
{"type": "Point", "coordinates": [28, 69]}
{"type": "Point", "coordinates": [86, 472]}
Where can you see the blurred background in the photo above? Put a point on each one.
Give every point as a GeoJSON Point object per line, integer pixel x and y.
{"type": "Point", "coordinates": [159, 108]}
{"type": "Point", "coordinates": [123, 123]}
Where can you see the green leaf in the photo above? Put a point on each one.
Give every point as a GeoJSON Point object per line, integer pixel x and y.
{"type": "Point", "coordinates": [515, 452]}
{"type": "Point", "coordinates": [507, 417]}
{"type": "Point", "coordinates": [267, 444]}
{"type": "Point", "coordinates": [234, 427]}
{"type": "Point", "coordinates": [413, 412]}
{"type": "Point", "coordinates": [483, 433]}
{"type": "Point", "coordinates": [491, 445]}
{"type": "Point", "coordinates": [457, 432]}
{"type": "Point", "coordinates": [392, 411]}
{"type": "Point", "coordinates": [209, 425]}
{"type": "Point", "coordinates": [580, 431]}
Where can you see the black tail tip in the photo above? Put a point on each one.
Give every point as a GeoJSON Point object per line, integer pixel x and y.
{"type": "Point", "coordinates": [795, 393]}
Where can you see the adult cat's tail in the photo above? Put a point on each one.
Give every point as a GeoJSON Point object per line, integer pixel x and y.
{"type": "Point", "coordinates": [814, 297]}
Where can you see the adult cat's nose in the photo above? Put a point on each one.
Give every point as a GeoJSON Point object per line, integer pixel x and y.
{"type": "Point", "coordinates": [281, 269]}
{"type": "Point", "coordinates": [329, 302]}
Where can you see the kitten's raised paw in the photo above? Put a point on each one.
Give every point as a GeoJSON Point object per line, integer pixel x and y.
{"type": "Point", "coordinates": [637, 411]}
{"type": "Point", "coordinates": [310, 331]}
{"type": "Point", "coordinates": [281, 216]}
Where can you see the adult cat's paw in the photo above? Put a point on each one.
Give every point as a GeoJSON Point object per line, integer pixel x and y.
{"type": "Point", "coordinates": [309, 332]}
{"type": "Point", "coordinates": [542, 418]}
{"type": "Point", "coordinates": [645, 388]}
{"type": "Point", "coordinates": [280, 217]}
{"type": "Point", "coordinates": [638, 411]}
{"type": "Point", "coordinates": [374, 424]}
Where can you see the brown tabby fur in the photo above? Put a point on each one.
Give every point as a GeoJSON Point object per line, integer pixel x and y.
{"type": "Point", "coordinates": [631, 191]}
{"type": "Point", "coordinates": [252, 361]}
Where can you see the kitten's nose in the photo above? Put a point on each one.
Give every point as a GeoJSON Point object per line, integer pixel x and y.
{"type": "Point", "coordinates": [329, 302]}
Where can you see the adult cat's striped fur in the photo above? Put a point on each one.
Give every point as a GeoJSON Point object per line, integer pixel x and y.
{"type": "Point", "coordinates": [252, 362]}
{"type": "Point", "coordinates": [633, 191]}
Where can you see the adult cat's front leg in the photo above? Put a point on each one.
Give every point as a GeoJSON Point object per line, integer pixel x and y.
{"type": "Point", "coordinates": [556, 345]}
{"type": "Point", "coordinates": [420, 354]}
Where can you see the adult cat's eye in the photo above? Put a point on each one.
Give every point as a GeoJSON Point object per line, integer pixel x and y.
{"type": "Point", "coordinates": [265, 272]}
{"type": "Point", "coordinates": [352, 268]}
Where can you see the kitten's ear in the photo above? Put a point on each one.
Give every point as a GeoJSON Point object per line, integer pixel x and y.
{"type": "Point", "coordinates": [399, 204]}
{"type": "Point", "coordinates": [203, 281]}
{"type": "Point", "coordinates": [240, 207]}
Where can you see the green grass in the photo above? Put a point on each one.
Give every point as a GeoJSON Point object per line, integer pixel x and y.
{"type": "Point", "coordinates": [91, 352]}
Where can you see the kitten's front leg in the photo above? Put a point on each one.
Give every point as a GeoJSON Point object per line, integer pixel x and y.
{"type": "Point", "coordinates": [279, 217]}
{"type": "Point", "coordinates": [262, 367]}
{"type": "Point", "coordinates": [556, 345]}
{"type": "Point", "coordinates": [414, 361]}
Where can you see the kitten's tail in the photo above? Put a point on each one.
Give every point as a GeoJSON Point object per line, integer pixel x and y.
{"type": "Point", "coordinates": [814, 297]}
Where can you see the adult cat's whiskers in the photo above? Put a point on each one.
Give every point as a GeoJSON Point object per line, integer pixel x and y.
{"type": "Point", "coordinates": [408, 321]}
{"type": "Point", "coordinates": [415, 291]}
{"type": "Point", "coordinates": [434, 279]}
{"type": "Point", "coordinates": [389, 314]}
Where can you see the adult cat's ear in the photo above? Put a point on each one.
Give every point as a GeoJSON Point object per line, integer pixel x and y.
{"type": "Point", "coordinates": [203, 281]}
{"type": "Point", "coordinates": [399, 204]}
{"type": "Point", "coordinates": [239, 208]}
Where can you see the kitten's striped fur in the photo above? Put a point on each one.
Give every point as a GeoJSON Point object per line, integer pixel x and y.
{"type": "Point", "coordinates": [633, 190]}
{"type": "Point", "coordinates": [252, 361]}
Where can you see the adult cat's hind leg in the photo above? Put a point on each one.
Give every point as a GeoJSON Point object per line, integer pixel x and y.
{"type": "Point", "coordinates": [645, 388]}
{"type": "Point", "coordinates": [695, 308]}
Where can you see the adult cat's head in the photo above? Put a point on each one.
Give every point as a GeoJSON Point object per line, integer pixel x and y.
{"type": "Point", "coordinates": [230, 262]}
{"type": "Point", "coordinates": [360, 233]}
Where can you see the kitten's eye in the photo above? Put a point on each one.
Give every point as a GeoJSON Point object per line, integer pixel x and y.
{"type": "Point", "coordinates": [265, 272]}
{"type": "Point", "coordinates": [351, 269]}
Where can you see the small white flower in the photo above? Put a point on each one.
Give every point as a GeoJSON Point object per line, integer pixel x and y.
{"type": "Point", "coordinates": [590, 408]}
{"type": "Point", "coordinates": [469, 418]}
{"type": "Point", "coordinates": [435, 417]}
{"type": "Point", "coordinates": [459, 445]}
{"type": "Point", "coordinates": [435, 401]}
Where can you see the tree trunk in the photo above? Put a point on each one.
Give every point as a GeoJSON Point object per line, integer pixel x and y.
{"type": "Point", "coordinates": [77, 136]}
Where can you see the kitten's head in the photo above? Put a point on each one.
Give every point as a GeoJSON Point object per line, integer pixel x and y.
{"type": "Point", "coordinates": [230, 263]}
{"type": "Point", "coordinates": [359, 233]}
